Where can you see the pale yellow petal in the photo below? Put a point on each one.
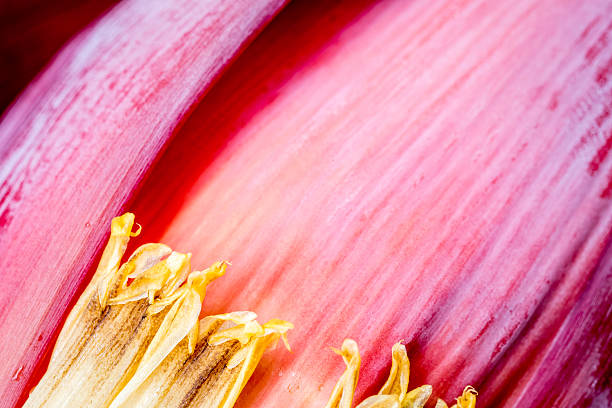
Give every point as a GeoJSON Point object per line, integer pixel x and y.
{"type": "Point", "coordinates": [380, 401]}
{"type": "Point", "coordinates": [180, 265]}
{"type": "Point", "coordinates": [141, 260]}
{"type": "Point", "coordinates": [199, 280]}
{"type": "Point", "coordinates": [242, 332]}
{"type": "Point", "coordinates": [150, 282]}
{"type": "Point", "coordinates": [342, 394]}
{"type": "Point", "coordinates": [160, 304]}
{"type": "Point", "coordinates": [397, 383]}
{"type": "Point", "coordinates": [468, 398]}
{"type": "Point", "coordinates": [281, 327]}
{"type": "Point", "coordinates": [177, 324]}
{"type": "Point", "coordinates": [145, 257]}
{"type": "Point", "coordinates": [193, 336]}
{"type": "Point", "coordinates": [239, 357]}
{"type": "Point", "coordinates": [180, 321]}
{"type": "Point", "coordinates": [256, 347]}
{"type": "Point", "coordinates": [441, 404]}
{"type": "Point", "coordinates": [121, 228]}
{"type": "Point", "coordinates": [418, 397]}
{"type": "Point", "coordinates": [240, 317]}
{"type": "Point", "coordinates": [144, 286]}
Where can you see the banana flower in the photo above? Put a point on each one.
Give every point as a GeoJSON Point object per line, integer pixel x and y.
{"type": "Point", "coordinates": [430, 174]}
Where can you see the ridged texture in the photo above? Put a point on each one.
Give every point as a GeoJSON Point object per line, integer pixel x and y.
{"type": "Point", "coordinates": [433, 172]}
{"type": "Point", "coordinates": [437, 172]}
{"type": "Point", "coordinates": [79, 140]}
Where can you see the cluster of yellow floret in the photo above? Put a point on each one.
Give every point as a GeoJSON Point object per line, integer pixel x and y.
{"type": "Point", "coordinates": [394, 393]}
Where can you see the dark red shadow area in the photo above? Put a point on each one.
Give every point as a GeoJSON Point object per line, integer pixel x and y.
{"type": "Point", "coordinates": [32, 32]}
